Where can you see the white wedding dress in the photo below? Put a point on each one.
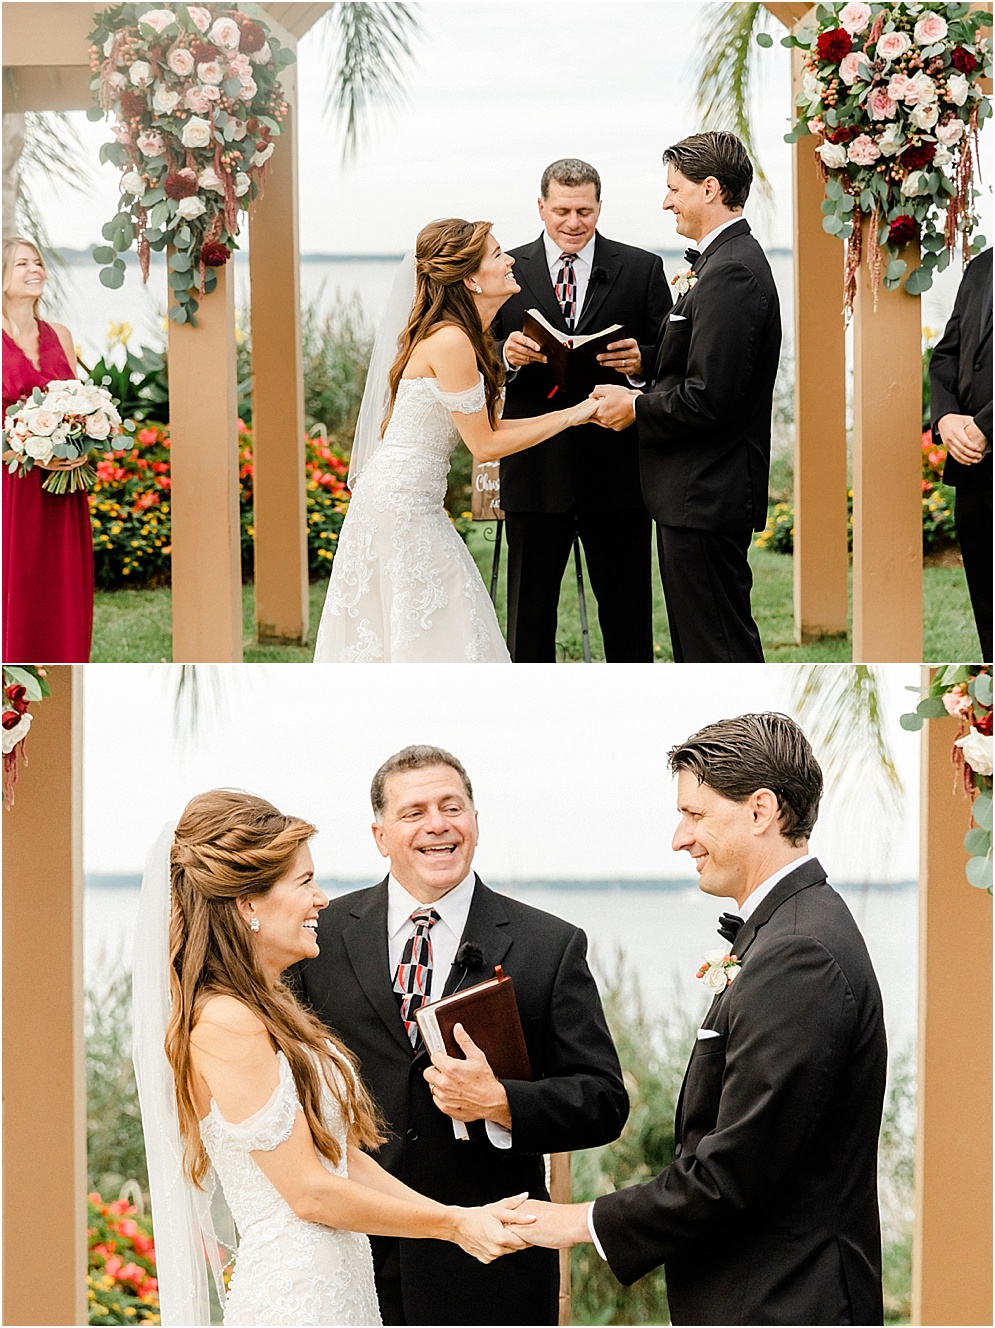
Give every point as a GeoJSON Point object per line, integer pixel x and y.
{"type": "Point", "coordinates": [404, 588]}
{"type": "Point", "coordinates": [288, 1271]}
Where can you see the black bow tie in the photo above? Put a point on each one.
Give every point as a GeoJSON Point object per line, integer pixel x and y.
{"type": "Point", "coordinates": [692, 255]}
{"type": "Point", "coordinates": [729, 925]}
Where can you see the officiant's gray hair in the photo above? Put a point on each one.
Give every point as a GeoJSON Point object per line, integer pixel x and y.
{"type": "Point", "coordinates": [735, 757]}
{"type": "Point", "coordinates": [419, 756]}
{"type": "Point", "coordinates": [571, 172]}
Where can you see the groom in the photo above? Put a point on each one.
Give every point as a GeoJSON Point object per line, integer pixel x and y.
{"type": "Point", "coordinates": [704, 420]}
{"type": "Point", "coordinates": [768, 1212]}
{"type": "Point", "coordinates": [432, 906]}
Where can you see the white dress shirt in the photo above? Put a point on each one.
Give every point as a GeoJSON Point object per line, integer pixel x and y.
{"type": "Point", "coordinates": [750, 905]}
{"type": "Point", "coordinates": [453, 909]}
{"type": "Point", "coordinates": [583, 267]}
{"type": "Point", "coordinates": [702, 245]}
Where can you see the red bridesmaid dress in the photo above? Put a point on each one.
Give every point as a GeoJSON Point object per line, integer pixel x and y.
{"type": "Point", "coordinates": [47, 544]}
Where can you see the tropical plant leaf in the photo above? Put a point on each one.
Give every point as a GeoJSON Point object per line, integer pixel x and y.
{"type": "Point", "coordinates": [371, 50]}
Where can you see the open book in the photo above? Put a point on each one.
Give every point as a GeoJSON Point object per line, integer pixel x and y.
{"type": "Point", "coordinates": [572, 360]}
{"type": "Point", "coordinates": [489, 1013]}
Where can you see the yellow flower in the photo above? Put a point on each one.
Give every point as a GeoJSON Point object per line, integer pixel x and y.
{"type": "Point", "coordinates": [119, 334]}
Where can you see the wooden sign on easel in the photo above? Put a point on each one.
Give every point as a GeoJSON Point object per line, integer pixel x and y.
{"type": "Point", "coordinates": [485, 480]}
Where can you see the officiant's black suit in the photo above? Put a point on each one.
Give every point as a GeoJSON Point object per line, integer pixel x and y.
{"type": "Point", "coordinates": [769, 1212]}
{"type": "Point", "coordinates": [704, 445]}
{"type": "Point", "coordinates": [577, 1099]}
{"type": "Point", "coordinates": [960, 380]}
{"type": "Point", "coordinates": [584, 478]}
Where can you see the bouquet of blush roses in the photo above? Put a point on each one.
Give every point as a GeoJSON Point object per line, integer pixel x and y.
{"type": "Point", "coordinates": [64, 422]}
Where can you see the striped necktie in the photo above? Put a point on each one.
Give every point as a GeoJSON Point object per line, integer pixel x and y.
{"type": "Point", "coordinates": [566, 289]}
{"type": "Point", "coordinates": [413, 979]}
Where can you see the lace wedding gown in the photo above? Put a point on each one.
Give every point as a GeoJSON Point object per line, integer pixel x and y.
{"type": "Point", "coordinates": [404, 587]}
{"type": "Point", "coordinates": [288, 1271]}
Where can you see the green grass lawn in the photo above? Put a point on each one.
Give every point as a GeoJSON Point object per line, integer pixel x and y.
{"type": "Point", "coordinates": [134, 625]}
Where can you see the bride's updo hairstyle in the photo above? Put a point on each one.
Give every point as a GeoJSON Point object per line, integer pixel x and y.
{"type": "Point", "coordinates": [229, 846]}
{"type": "Point", "coordinates": [446, 252]}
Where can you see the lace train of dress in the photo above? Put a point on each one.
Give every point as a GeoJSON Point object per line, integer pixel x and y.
{"type": "Point", "coordinates": [404, 588]}
{"type": "Point", "coordinates": [288, 1271]}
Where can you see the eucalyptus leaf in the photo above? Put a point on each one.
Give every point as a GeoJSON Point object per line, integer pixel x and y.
{"type": "Point", "coordinates": [982, 688]}
{"type": "Point", "coordinates": [931, 707]}
{"type": "Point", "coordinates": [911, 723]}
{"type": "Point", "coordinates": [179, 280]}
{"type": "Point", "coordinates": [979, 873]}
{"type": "Point", "coordinates": [103, 253]}
{"type": "Point", "coordinates": [832, 225]}
{"type": "Point", "coordinates": [31, 685]}
{"type": "Point", "coordinates": [846, 203]}
{"type": "Point", "coordinates": [896, 269]}
{"type": "Point", "coordinates": [109, 229]}
{"type": "Point", "coordinates": [978, 843]}
{"type": "Point", "coordinates": [157, 216]}
{"type": "Point", "coordinates": [94, 113]}
{"type": "Point", "coordinates": [111, 277]}
{"type": "Point", "coordinates": [178, 314]}
{"type": "Point", "coordinates": [982, 811]}
{"type": "Point", "coordinates": [180, 261]}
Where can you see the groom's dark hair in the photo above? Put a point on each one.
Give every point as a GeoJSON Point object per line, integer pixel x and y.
{"type": "Point", "coordinates": [735, 757]}
{"type": "Point", "coordinates": [719, 154]}
{"type": "Point", "coordinates": [416, 757]}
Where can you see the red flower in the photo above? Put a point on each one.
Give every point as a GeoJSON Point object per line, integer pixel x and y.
{"type": "Point", "coordinates": [214, 254]}
{"type": "Point", "coordinates": [841, 135]}
{"type": "Point", "coordinates": [962, 59]}
{"type": "Point", "coordinates": [984, 724]}
{"type": "Point", "coordinates": [253, 38]}
{"type": "Point", "coordinates": [180, 184]}
{"type": "Point", "coordinates": [15, 695]}
{"type": "Point", "coordinates": [916, 157]}
{"type": "Point", "coordinates": [203, 52]}
{"type": "Point", "coordinates": [903, 230]}
{"type": "Point", "coordinates": [134, 103]}
{"type": "Point", "coordinates": [833, 46]}
{"type": "Point", "coordinates": [10, 719]}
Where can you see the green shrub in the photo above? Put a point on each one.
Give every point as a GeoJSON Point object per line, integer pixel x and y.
{"type": "Point", "coordinates": [115, 1145]}
{"type": "Point", "coordinates": [335, 350]}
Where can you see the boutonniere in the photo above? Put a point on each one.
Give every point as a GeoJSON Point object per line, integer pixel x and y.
{"type": "Point", "coordinates": [684, 281]}
{"type": "Point", "coordinates": [718, 970]}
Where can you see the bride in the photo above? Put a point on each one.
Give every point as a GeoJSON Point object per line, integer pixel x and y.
{"type": "Point", "coordinates": [404, 586]}
{"type": "Point", "coordinates": [238, 1082]}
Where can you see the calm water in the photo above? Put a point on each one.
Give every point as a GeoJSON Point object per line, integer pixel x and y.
{"type": "Point", "coordinates": [660, 932]}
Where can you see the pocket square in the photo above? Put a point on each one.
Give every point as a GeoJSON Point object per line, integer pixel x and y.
{"type": "Point", "coordinates": [678, 318]}
{"type": "Point", "coordinates": [704, 1033]}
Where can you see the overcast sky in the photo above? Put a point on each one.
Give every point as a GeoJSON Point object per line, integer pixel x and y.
{"type": "Point", "coordinates": [568, 764]}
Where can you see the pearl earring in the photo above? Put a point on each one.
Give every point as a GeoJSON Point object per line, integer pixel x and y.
{"type": "Point", "coordinates": [479, 290]}
{"type": "Point", "coordinates": [254, 924]}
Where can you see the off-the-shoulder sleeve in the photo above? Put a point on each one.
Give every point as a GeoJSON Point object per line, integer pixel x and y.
{"type": "Point", "coordinates": [272, 1124]}
{"type": "Point", "coordinates": [467, 402]}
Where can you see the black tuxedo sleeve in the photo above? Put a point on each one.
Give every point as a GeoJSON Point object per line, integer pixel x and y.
{"type": "Point", "coordinates": [770, 1076]}
{"type": "Point", "coordinates": [580, 1101]}
{"type": "Point", "coordinates": [659, 302]}
{"type": "Point", "coordinates": [944, 366]}
{"type": "Point", "coordinates": [725, 324]}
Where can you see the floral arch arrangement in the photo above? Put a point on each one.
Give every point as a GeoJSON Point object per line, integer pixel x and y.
{"type": "Point", "coordinates": [195, 95]}
{"type": "Point", "coordinates": [892, 93]}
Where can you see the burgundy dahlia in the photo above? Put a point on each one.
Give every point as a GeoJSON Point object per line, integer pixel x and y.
{"type": "Point", "coordinates": [213, 254]}
{"type": "Point", "coordinates": [984, 724]}
{"type": "Point", "coordinates": [253, 38]}
{"type": "Point", "coordinates": [203, 52]}
{"type": "Point", "coordinates": [917, 156]}
{"type": "Point", "coordinates": [843, 134]}
{"type": "Point", "coordinates": [833, 46]}
{"type": "Point", "coordinates": [963, 60]}
{"type": "Point", "coordinates": [903, 230]}
{"type": "Point", "coordinates": [134, 103]}
{"type": "Point", "coordinates": [180, 184]}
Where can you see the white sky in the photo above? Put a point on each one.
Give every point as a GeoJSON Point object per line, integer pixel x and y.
{"type": "Point", "coordinates": [568, 764]}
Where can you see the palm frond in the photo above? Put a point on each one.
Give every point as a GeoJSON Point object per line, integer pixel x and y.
{"type": "Point", "coordinates": [372, 49]}
{"type": "Point", "coordinates": [200, 696]}
{"type": "Point", "coordinates": [723, 96]}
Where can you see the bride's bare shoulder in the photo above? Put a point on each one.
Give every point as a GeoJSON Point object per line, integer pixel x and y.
{"type": "Point", "coordinates": [226, 1023]}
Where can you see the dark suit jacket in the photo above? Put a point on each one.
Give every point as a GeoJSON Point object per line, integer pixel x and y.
{"type": "Point", "coordinates": [577, 1099]}
{"type": "Point", "coordinates": [960, 372]}
{"type": "Point", "coordinates": [704, 422]}
{"type": "Point", "coordinates": [584, 466]}
{"type": "Point", "coordinates": [769, 1212]}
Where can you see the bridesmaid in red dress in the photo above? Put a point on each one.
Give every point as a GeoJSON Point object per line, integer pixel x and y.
{"type": "Point", "coordinates": [47, 545]}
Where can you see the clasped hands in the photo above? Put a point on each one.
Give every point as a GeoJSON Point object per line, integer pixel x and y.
{"type": "Point", "coordinates": [962, 438]}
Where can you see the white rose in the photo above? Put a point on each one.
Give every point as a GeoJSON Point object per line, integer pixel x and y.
{"type": "Point", "coordinates": [914, 183]}
{"type": "Point", "coordinates": [248, 89]}
{"type": "Point", "coordinates": [242, 184]}
{"type": "Point", "coordinates": [950, 133]}
{"type": "Point", "coordinates": [200, 17]}
{"type": "Point", "coordinates": [140, 73]}
{"type": "Point", "coordinates": [732, 973]}
{"type": "Point", "coordinates": [98, 425]}
{"type": "Point", "coordinates": [132, 183]}
{"type": "Point", "coordinates": [237, 128]}
{"type": "Point", "coordinates": [942, 157]}
{"type": "Point", "coordinates": [892, 140]}
{"type": "Point", "coordinates": [924, 117]}
{"type": "Point", "coordinates": [957, 89]}
{"type": "Point", "coordinates": [226, 32]}
{"type": "Point", "coordinates": [714, 956]}
{"type": "Point", "coordinates": [833, 154]}
{"type": "Point", "coordinates": [116, 82]}
{"type": "Point", "coordinates": [210, 72]}
{"type": "Point", "coordinates": [812, 89]}
{"type": "Point", "coordinates": [158, 19]}
{"type": "Point", "coordinates": [977, 749]}
{"type": "Point", "coordinates": [261, 158]}
{"type": "Point", "coordinates": [41, 449]}
{"type": "Point", "coordinates": [210, 179]}
{"type": "Point", "coordinates": [196, 133]}
{"type": "Point", "coordinates": [181, 62]}
{"type": "Point", "coordinates": [263, 56]}
{"type": "Point", "coordinates": [11, 737]}
{"type": "Point", "coordinates": [108, 45]}
{"type": "Point", "coordinates": [926, 89]}
{"type": "Point", "coordinates": [715, 978]}
{"type": "Point", "coordinates": [164, 100]}
{"type": "Point", "coordinates": [43, 421]}
{"type": "Point", "coordinates": [188, 208]}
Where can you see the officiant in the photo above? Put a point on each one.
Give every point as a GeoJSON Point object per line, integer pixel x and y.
{"type": "Point", "coordinates": [575, 483]}
{"type": "Point", "coordinates": [432, 927]}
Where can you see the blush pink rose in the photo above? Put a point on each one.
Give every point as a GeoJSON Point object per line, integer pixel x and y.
{"type": "Point", "coordinates": [855, 17]}
{"type": "Point", "coordinates": [240, 65]}
{"type": "Point", "coordinates": [151, 143]}
{"type": "Point", "coordinates": [881, 106]}
{"type": "Point", "coordinates": [849, 66]}
{"type": "Point", "coordinates": [950, 133]}
{"type": "Point", "coordinates": [181, 62]}
{"type": "Point", "coordinates": [200, 17]}
{"type": "Point", "coordinates": [892, 45]}
{"type": "Point", "coordinates": [957, 702]}
{"type": "Point", "coordinates": [226, 32]}
{"type": "Point", "coordinates": [863, 151]}
{"type": "Point", "coordinates": [210, 72]}
{"type": "Point", "coordinates": [122, 133]}
{"type": "Point", "coordinates": [903, 88]}
{"type": "Point", "coordinates": [930, 29]}
{"type": "Point", "coordinates": [196, 101]}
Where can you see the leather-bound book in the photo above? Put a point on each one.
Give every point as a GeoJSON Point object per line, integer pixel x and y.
{"type": "Point", "coordinates": [572, 360]}
{"type": "Point", "coordinates": [488, 1012]}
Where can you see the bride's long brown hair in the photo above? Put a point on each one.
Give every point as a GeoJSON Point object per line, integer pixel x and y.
{"type": "Point", "coordinates": [446, 252]}
{"type": "Point", "coordinates": [230, 846]}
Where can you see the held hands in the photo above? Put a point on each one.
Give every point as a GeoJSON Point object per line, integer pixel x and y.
{"type": "Point", "coordinates": [616, 406]}
{"type": "Point", "coordinates": [623, 356]}
{"type": "Point", "coordinates": [466, 1090]}
{"type": "Point", "coordinates": [520, 350]}
{"type": "Point", "coordinates": [496, 1229]}
{"type": "Point", "coordinates": [552, 1225]}
{"type": "Point", "coordinates": [962, 438]}
{"type": "Point", "coordinates": [57, 463]}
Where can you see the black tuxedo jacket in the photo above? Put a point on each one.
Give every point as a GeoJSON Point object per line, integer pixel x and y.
{"type": "Point", "coordinates": [586, 466]}
{"type": "Point", "coordinates": [769, 1212]}
{"type": "Point", "coordinates": [960, 372]}
{"type": "Point", "coordinates": [704, 421]}
{"type": "Point", "coordinates": [576, 1099]}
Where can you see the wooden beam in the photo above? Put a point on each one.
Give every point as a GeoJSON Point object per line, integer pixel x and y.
{"type": "Point", "coordinates": [561, 1191]}
{"type": "Point", "coordinates": [34, 88]}
{"type": "Point", "coordinates": [280, 517]}
{"type": "Point", "coordinates": [44, 1068]}
{"type": "Point", "coordinates": [789, 13]}
{"type": "Point", "coordinates": [952, 1250]}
